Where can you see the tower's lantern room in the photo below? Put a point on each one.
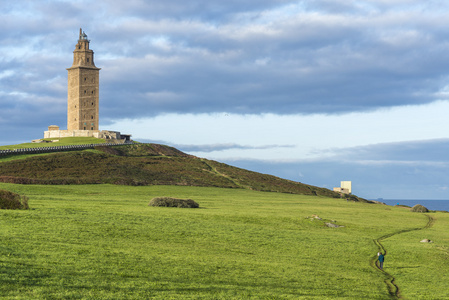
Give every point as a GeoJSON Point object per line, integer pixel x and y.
{"type": "Point", "coordinates": [82, 55]}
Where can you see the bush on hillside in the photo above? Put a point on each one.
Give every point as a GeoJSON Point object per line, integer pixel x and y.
{"type": "Point", "coordinates": [10, 200]}
{"type": "Point", "coordinates": [419, 208]}
{"type": "Point", "coordinates": [173, 202]}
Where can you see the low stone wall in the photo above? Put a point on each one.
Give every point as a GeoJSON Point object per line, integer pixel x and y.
{"type": "Point", "coordinates": [55, 149]}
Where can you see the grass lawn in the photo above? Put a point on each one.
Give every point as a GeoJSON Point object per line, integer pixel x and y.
{"type": "Point", "coordinates": [105, 242]}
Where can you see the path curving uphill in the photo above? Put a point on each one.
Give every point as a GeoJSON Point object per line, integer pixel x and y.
{"type": "Point", "coordinates": [393, 288]}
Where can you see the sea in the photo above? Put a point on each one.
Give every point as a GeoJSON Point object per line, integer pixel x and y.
{"type": "Point", "coordinates": [429, 204]}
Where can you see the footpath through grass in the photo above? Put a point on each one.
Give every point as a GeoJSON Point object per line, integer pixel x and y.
{"type": "Point", "coordinates": [105, 242]}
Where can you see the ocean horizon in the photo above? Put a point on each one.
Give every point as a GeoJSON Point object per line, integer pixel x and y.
{"type": "Point", "coordinates": [429, 204]}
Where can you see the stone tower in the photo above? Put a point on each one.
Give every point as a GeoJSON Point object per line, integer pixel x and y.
{"type": "Point", "coordinates": [83, 88]}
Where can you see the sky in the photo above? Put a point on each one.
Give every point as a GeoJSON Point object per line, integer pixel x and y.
{"type": "Point", "coordinates": [317, 91]}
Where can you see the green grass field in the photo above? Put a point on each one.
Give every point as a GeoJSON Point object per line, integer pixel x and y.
{"type": "Point", "coordinates": [105, 242]}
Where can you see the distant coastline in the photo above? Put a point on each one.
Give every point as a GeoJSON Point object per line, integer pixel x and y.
{"type": "Point", "coordinates": [442, 205]}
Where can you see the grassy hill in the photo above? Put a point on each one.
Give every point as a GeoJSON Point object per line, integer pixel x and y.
{"type": "Point", "coordinates": [141, 164]}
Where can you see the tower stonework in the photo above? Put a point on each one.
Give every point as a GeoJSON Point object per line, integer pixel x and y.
{"type": "Point", "coordinates": [83, 88]}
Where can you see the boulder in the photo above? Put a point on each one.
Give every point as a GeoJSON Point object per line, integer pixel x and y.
{"type": "Point", "coordinates": [426, 241]}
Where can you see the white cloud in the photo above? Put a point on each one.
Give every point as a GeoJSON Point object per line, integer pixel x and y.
{"type": "Point", "coordinates": [312, 135]}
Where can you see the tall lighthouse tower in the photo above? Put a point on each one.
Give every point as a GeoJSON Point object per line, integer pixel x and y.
{"type": "Point", "coordinates": [83, 99]}
{"type": "Point", "coordinates": [83, 88]}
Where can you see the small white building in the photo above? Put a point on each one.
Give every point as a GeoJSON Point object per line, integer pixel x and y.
{"type": "Point", "coordinates": [345, 187]}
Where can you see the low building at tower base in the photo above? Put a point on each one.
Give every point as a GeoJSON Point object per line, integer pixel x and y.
{"type": "Point", "coordinates": [114, 136]}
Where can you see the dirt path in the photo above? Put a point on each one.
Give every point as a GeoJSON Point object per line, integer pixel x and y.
{"type": "Point", "coordinates": [393, 289]}
{"type": "Point", "coordinates": [215, 171]}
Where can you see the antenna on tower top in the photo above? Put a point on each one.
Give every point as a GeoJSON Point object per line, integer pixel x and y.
{"type": "Point", "coordinates": [83, 35]}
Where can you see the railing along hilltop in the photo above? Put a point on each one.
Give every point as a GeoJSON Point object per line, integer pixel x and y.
{"type": "Point", "coordinates": [56, 149]}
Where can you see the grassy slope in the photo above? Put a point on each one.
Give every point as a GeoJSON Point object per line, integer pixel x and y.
{"type": "Point", "coordinates": [104, 242]}
{"type": "Point", "coordinates": [142, 164]}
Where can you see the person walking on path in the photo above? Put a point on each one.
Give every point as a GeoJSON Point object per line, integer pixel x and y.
{"type": "Point", "coordinates": [381, 259]}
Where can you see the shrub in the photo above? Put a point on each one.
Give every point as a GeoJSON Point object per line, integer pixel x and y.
{"type": "Point", "coordinates": [10, 200]}
{"type": "Point", "coordinates": [419, 208]}
{"type": "Point", "coordinates": [173, 202]}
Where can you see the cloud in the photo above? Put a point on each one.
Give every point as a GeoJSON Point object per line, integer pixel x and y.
{"type": "Point", "coordinates": [208, 148]}
{"type": "Point", "coordinates": [212, 10]}
{"type": "Point", "coordinates": [282, 57]}
{"type": "Point", "coordinates": [313, 62]}
{"type": "Point", "coordinates": [429, 152]}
